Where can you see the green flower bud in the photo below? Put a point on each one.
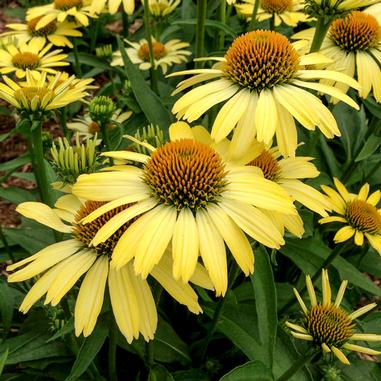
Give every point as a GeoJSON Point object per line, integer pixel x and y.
{"type": "Point", "coordinates": [101, 109]}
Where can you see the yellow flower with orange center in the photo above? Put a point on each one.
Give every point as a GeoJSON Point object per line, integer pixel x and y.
{"type": "Point", "coordinates": [262, 80]}
{"type": "Point", "coordinates": [358, 212]}
{"type": "Point", "coordinates": [112, 6]}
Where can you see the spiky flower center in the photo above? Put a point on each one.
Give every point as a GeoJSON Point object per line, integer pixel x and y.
{"type": "Point", "coordinates": [185, 173]}
{"type": "Point", "coordinates": [64, 5]}
{"type": "Point", "coordinates": [86, 233]}
{"type": "Point", "coordinates": [268, 164]}
{"type": "Point", "coordinates": [42, 32]}
{"type": "Point", "coordinates": [329, 324]}
{"type": "Point", "coordinates": [158, 51]}
{"type": "Point", "coordinates": [26, 60]}
{"type": "Point", "coordinates": [30, 93]}
{"type": "Point", "coordinates": [363, 216]}
{"type": "Point", "coordinates": [276, 6]}
{"type": "Point", "coordinates": [261, 59]}
{"type": "Point", "coordinates": [357, 31]}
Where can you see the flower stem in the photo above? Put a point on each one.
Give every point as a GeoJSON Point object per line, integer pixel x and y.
{"type": "Point", "coordinates": [339, 249]}
{"type": "Point", "coordinates": [39, 168]}
{"type": "Point", "coordinates": [233, 273]}
{"type": "Point", "coordinates": [125, 24]}
{"type": "Point", "coordinates": [222, 19]}
{"type": "Point", "coordinates": [299, 364]}
{"type": "Point", "coordinates": [106, 139]}
{"type": "Point", "coordinates": [112, 373]}
{"type": "Point", "coordinates": [200, 31]}
{"type": "Point", "coordinates": [272, 22]}
{"type": "Point", "coordinates": [6, 246]}
{"type": "Point", "coordinates": [322, 27]}
{"type": "Point", "coordinates": [77, 65]}
{"type": "Point", "coordinates": [153, 70]}
{"type": "Point", "coordinates": [254, 15]}
{"type": "Point", "coordinates": [63, 120]}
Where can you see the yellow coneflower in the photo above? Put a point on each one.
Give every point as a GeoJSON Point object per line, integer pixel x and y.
{"type": "Point", "coordinates": [354, 45]}
{"type": "Point", "coordinates": [165, 55]}
{"type": "Point", "coordinates": [161, 8]}
{"type": "Point", "coordinates": [358, 212]}
{"type": "Point", "coordinates": [33, 56]}
{"type": "Point", "coordinates": [334, 7]}
{"type": "Point", "coordinates": [189, 194]}
{"type": "Point", "coordinates": [263, 80]}
{"type": "Point", "coordinates": [289, 12]}
{"type": "Point", "coordinates": [61, 10]}
{"type": "Point", "coordinates": [87, 127]}
{"type": "Point", "coordinates": [44, 93]}
{"type": "Point", "coordinates": [54, 32]}
{"type": "Point", "coordinates": [62, 264]}
{"type": "Point", "coordinates": [113, 6]}
{"type": "Point", "coordinates": [329, 326]}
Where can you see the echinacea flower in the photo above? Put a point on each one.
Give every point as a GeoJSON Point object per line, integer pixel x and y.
{"type": "Point", "coordinates": [288, 173]}
{"type": "Point", "coordinates": [289, 12]}
{"type": "Point", "coordinates": [61, 10]}
{"type": "Point", "coordinates": [165, 54]}
{"type": "Point", "coordinates": [61, 265]}
{"type": "Point", "coordinates": [162, 8]}
{"type": "Point", "coordinates": [45, 92]}
{"type": "Point", "coordinates": [98, 6]}
{"type": "Point", "coordinates": [329, 326]}
{"type": "Point", "coordinates": [34, 56]}
{"type": "Point", "coordinates": [354, 45]}
{"type": "Point", "coordinates": [263, 80]}
{"type": "Point", "coordinates": [335, 7]}
{"type": "Point", "coordinates": [55, 32]}
{"type": "Point", "coordinates": [188, 194]}
{"type": "Point", "coordinates": [87, 127]}
{"type": "Point", "coordinates": [358, 212]}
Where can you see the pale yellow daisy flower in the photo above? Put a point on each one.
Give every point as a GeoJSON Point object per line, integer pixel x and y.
{"type": "Point", "coordinates": [358, 212]}
{"type": "Point", "coordinates": [165, 55]}
{"type": "Point", "coordinates": [329, 326]}
{"type": "Point", "coordinates": [354, 45]}
{"type": "Point", "coordinates": [34, 56]}
{"type": "Point", "coordinates": [289, 12]}
{"type": "Point", "coordinates": [188, 194]}
{"type": "Point", "coordinates": [54, 32]}
{"type": "Point", "coordinates": [263, 81]}
{"type": "Point", "coordinates": [98, 6]}
{"type": "Point", "coordinates": [338, 6]}
{"type": "Point", "coordinates": [61, 265]}
{"type": "Point", "coordinates": [161, 8]}
{"type": "Point", "coordinates": [61, 10]}
{"type": "Point", "coordinates": [44, 93]}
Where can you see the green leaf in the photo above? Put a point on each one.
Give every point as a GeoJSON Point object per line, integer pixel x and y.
{"type": "Point", "coordinates": [149, 102]}
{"type": "Point", "coordinates": [251, 371]}
{"type": "Point", "coordinates": [265, 303]}
{"type": "Point", "coordinates": [3, 359]}
{"type": "Point", "coordinates": [7, 304]}
{"type": "Point", "coordinates": [373, 107]}
{"type": "Point", "coordinates": [159, 373]}
{"type": "Point", "coordinates": [369, 147]}
{"type": "Point", "coordinates": [190, 375]}
{"type": "Point", "coordinates": [16, 195]}
{"type": "Point", "coordinates": [13, 164]}
{"type": "Point", "coordinates": [90, 60]}
{"type": "Point", "coordinates": [209, 23]}
{"type": "Point", "coordinates": [238, 323]}
{"type": "Point", "coordinates": [89, 349]}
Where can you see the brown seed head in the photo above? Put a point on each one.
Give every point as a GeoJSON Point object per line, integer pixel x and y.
{"type": "Point", "coordinates": [185, 173]}
{"type": "Point", "coordinates": [64, 5]}
{"type": "Point", "coordinates": [268, 164]}
{"type": "Point", "coordinates": [158, 51]}
{"type": "Point", "coordinates": [26, 60]}
{"type": "Point", "coordinates": [44, 31]}
{"type": "Point", "coordinates": [276, 6]}
{"type": "Point", "coordinates": [363, 216]}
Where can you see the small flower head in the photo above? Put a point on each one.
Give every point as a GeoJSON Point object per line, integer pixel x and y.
{"type": "Point", "coordinates": [162, 8]}
{"type": "Point", "coordinates": [104, 51]}
{"type": "Point", "coordinates": [150, 134]}
{"type": "Point", "coordinates": [71, 160]}
{"type": "Point", "coordinates": [329, 326]}
{"type": "Point", "coordinates": [334, 8]}
{"type": "Point", "coordinates": [359, 213]}
{"type": "Point", "coordinates": [101, 109]}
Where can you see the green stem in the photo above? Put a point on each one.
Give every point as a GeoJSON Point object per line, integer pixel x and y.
{"type": "Point", "coordinates": [200, 31]}
{"type": "Point", "coordinates": [94, 30]}
{"type": "Point", "coordinates": [153, 70]}
{"type": "Point", "coordinates": [112, 372]}
{"type": "Point", "coordinates": [339, 249]}
{"type": "Point", "coordinates": [233, 273]}
{"type": "Point", "coordinates": [125, 24]}
{"type": "Point", "coordinates": [322, 27]}
{"type": "Point", "coordinates": [254, 16]}
{"type": "Point", "coordinates": [77, 65]}
{"type": "Point", "coordinates": [272, 22]}
{"type": "Point", "coordinates": [297, 365]}
{"type": "Point", "coordinates": [371, 172]}
{"type": "Point", "coordinates": [222, 19]}
{"type": "Point", "coordinates": [63, 120]}
{"type": "Point", "coordinates": [38, 163]}
{"type": "Point", "coordinates": [149, 354]}
{"type": "Point", "coordinates": [106, 139]}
